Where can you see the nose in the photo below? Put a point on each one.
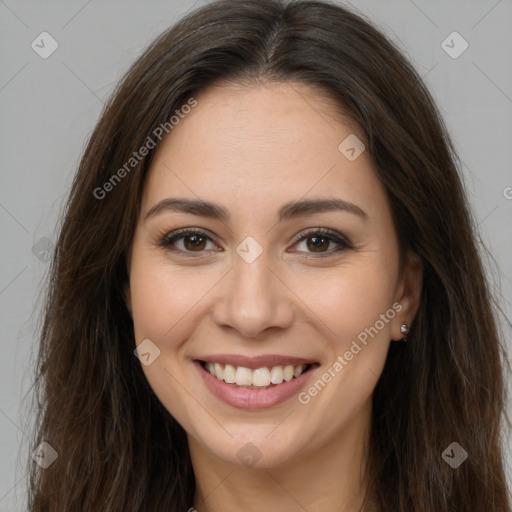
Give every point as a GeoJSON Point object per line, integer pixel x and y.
{"type": "Point", "coordinates": [253, 299]}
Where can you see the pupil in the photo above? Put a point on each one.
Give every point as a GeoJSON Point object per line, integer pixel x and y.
{"type": "Point", "coordinates": [316, 244]}
{"type": "Point", "coordinates": [195, 240]}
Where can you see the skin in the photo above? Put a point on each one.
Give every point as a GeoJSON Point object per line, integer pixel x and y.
{"type": "Point", "coordinates": [252, 148]}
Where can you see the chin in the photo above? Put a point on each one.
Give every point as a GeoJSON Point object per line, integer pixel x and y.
{"type": "Point", "coordinates": [255, 448]}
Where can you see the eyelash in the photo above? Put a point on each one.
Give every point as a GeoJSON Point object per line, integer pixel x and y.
{"type": "Point", "coordinates": [170, 238]}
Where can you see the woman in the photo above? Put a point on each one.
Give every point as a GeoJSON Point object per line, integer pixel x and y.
{"type": "Point", "coordinates": [266, 293]}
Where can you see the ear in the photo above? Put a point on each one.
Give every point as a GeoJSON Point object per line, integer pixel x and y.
{"type": "Point", "coordinates": [407, 294]}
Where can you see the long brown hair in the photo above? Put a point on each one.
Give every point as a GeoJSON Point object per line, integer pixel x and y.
{"type": "Point", "coordinates": [119, 448]}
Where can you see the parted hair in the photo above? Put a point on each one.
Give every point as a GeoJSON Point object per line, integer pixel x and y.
{"type": "Point", "coordinates": [119, 449]}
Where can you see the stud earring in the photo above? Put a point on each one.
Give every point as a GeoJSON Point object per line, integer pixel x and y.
{"type": "Point", "coordinates": [404, 329]}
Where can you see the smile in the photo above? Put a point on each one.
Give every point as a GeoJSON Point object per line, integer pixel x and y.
{"type": "Point", "coordinates": [260, 378]}
{"type": "Point", "coordinates": [254, 383]}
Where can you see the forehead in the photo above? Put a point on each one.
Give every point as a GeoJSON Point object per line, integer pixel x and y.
{"type": "Point", "coordinates": [257, 144]}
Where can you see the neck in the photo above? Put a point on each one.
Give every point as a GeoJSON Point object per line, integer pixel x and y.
{"type": "Point", "coordinates": [328, 478]}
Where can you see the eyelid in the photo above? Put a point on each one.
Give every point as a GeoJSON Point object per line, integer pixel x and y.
{"type": "Point", "coordinates": [168, 239]}
{"type": "Point", "coordinates": [186, 231]}
{"type": "Point", "coordinates": [328, 233]}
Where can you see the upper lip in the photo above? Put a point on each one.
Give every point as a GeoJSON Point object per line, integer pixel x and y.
{"type": "Point", "coordinates": [263, 361]}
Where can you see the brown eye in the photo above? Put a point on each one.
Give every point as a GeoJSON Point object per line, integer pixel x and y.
{"type": "Point", "coordinates": [319, 240]}
{"type": "Point", "coordinates": [194, 242]}
{"type": "Point", "coordinates": [187, 241]}
{"type": "Point", "coordinates": [317, 243]}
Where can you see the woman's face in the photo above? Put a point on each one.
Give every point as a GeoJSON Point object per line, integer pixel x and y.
{"type": "Point", "coordinates": [255, 288]}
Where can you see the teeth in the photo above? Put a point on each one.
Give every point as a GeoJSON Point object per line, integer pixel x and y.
{"type": "Point", "coordinates": [288, 373]}
{"type": "Point", "coordinates": [243, 376]}
{"type": "Point", "coordinates": [218, 371]}
{"type": "Point", "coordinates": [261, 377]}
{"type": "Point", "coordinates": [276, 375]}
{"type": "Point", "coordinates": [229, 374]}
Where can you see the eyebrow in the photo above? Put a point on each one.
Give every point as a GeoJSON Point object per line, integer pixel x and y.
{"type": "Point", "coordinates": [288, 211]}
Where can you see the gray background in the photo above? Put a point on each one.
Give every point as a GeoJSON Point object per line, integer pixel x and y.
{"type": "Point", "coordinates": [49, 107]}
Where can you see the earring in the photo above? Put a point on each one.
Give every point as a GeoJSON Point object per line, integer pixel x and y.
{"type": "Point", "coordinates": [404, 328]}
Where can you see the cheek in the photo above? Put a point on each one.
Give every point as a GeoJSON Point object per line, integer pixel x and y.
{"type": "Point", "coordinates": [162, 308]}
{"type": "Point", "coordinates": [350, 304]}
{"type": "Point", "coordinates": [349, 300]}
{"type": "Point", "coordinates": [163, 297]}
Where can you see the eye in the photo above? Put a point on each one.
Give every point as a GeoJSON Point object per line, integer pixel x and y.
{"type": "Point", "coordinates": [191, 240]}
{"type": "Point", "coordinates": [318, 240]}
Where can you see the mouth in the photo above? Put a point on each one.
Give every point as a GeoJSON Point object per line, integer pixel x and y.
{"type": "Point", "coordinates": [254, 383]}
{"type": "Point", "coordinates": [259, 378]}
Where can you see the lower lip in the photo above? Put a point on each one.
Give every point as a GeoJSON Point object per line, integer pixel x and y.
{"type": "Point", "coordinates": [243, 398]}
